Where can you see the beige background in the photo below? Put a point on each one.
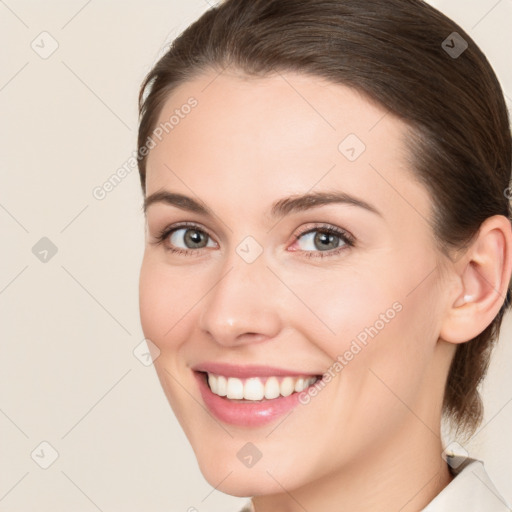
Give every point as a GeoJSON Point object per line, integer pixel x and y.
{"type": "Point", "coordinates": [68, 374]}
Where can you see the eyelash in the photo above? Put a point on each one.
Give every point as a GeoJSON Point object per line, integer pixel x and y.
{"type": "Point", "coordinates": [164, 234]}
{"type": "Point", "coordinates": [346, 238]}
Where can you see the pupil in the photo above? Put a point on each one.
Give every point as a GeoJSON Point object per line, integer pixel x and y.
{"type": "Point", "coordinates": [194, 237]}
{"type": "Point", "coordinates": [325, 239]}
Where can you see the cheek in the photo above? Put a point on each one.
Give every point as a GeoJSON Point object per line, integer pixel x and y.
{"type": "Point", "coordinates": [378, 298]}
{"type": "Point", "coordinates": [166, 296]}
{"type": "Point", "coordinates": [342, 304]}
{"type": "Point", "coordinates": [379, 336]}
{"type": "Point", "coordinates": [166, 303]}
{"type": "Point", "coordinates": [387, 356]}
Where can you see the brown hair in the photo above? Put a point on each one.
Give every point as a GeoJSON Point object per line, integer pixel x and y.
{"type": "Point", "coordinates": [394, 53]}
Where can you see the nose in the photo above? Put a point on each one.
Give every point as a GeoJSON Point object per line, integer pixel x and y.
{"type": "Point", "coordinates": [243, 304]}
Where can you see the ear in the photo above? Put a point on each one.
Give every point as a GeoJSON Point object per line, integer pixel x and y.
{"type": "Point", "coordinates": [483, 278]}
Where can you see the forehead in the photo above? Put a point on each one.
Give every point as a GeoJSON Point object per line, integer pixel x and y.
{"type": "Point", "coordinates": [248, 138]}
{"type": "Point", "coordinates": [283, 112]}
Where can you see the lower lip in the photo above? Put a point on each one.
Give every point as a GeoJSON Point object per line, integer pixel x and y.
{"type": "Point", "coordinates": [245, 414]}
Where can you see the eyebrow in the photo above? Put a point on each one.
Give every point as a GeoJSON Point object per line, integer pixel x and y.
{"type": "Point", "coordinates": [304, 202]}
{"type": "Point", "coordinates": [178, 200]}
{"type": "Point", "coordinates": [280, 208]}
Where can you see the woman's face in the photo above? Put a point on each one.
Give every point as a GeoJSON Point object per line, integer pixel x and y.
{"type": "Point", "coordinates": [261, 296]}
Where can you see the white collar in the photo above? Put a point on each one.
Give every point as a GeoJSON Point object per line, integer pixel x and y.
{"type": "Point", "coordinates": [471, 490]}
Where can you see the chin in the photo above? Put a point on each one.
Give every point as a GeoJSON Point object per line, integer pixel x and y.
{"type": "Point", "coordinates": [241, 483]}
{"type": "Point", "coordinates": [265, 477]}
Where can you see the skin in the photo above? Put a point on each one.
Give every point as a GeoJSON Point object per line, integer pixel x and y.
{"type": "Point", "coordinates": [370, 440]}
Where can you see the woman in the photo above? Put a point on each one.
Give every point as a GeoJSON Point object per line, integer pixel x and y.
{"type": "Point", "coordinates": [329, 250]}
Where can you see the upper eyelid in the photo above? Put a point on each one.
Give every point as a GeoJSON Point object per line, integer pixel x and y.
{"type": "Point", "coordinates": [324, 227]}
{"type": "Point", "coordinates": [346, 236]}
{"type": "Point", "coordinates": [318, 226]}
{"type": "Point", "coordinates": [185, 225]}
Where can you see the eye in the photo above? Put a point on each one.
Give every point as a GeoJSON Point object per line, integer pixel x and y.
{"type": "Point", "coordinates": [184, 239]}
{"type": "Point", "coordinates": [191, 238]}
{"type": "Point", "coordinates": [323, 239]}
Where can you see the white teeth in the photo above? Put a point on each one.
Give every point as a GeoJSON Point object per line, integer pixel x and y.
{"type": "Point", "coordinates": [255, 388]}
{"type": "Point", "coordinates": [287, 386]}
{"type": "Point", "coordinates": [272, 389]}
{"type": "Point", "coordinates": [212, 382]}
{"type": "Point", "coordinates": [222, 385]}
{"type": "Point", "coordinates": [235, 389]}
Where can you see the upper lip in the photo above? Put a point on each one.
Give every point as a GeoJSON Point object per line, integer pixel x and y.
{"type": "Point", "coordinates": [246, 371]}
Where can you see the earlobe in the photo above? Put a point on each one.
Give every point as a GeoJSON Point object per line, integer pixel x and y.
{"type": "Point", "coordinates": [484, 274]}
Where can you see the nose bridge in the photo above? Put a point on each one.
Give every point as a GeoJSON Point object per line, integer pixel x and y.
{"type": "Point", "coordinates": [241, 302]}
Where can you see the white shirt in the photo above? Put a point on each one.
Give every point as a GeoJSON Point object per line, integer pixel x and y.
{"type": "Point", "coordinates": [471, 490]}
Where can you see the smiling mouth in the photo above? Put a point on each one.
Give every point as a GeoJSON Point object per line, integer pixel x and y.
{"type": "Point", "coordinates": [257, 389]}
